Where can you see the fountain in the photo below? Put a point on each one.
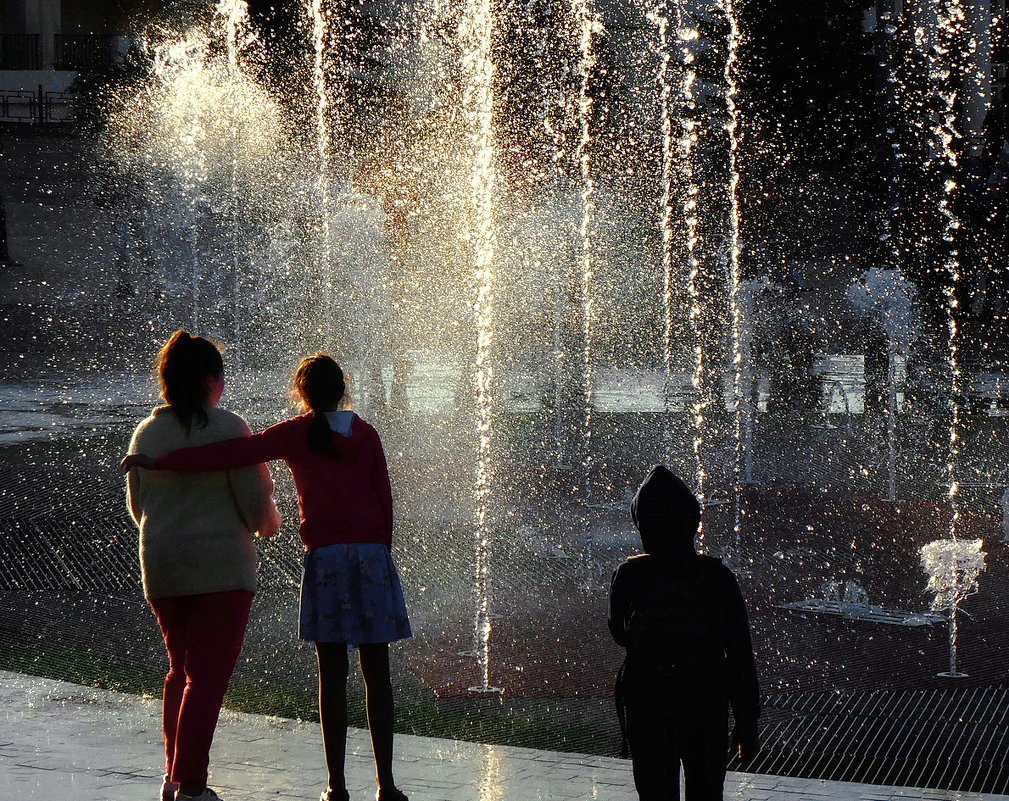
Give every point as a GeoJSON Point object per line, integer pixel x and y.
{"type": "Point", "coordinates": [953, 568]}
{"type": "Point", "coordinates": [536, 235]}
{"type": "Point", "coordinates": [479, 104]}
{"type": "Point", "coordinates": [889, 298]}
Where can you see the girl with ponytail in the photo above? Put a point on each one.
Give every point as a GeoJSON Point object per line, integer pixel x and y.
{"type": "Point", "coordinates": [197, 555]}
{"type": "Point", "coordinates": [351, 594]}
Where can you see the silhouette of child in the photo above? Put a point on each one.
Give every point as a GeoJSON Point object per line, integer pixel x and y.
{"type": "Point", "coordinates": [682, 619]}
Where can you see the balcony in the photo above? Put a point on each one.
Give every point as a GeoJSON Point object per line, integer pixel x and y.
{"type": "Point", "coordinates": [20, 51]}
{"type": "Point", "coordinates": [82, 51]}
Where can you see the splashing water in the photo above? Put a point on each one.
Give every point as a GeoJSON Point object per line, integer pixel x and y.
{"type": "Point", "coordinates": [740, 404]}
{"type": "Point", "coordinates": [476, 34]}
{"type": "Point", "coordinates": [950, 18]}
{"type": "Point", "coordinates": [239, 36]}
{"type": "Point", "coordinates": [686, 142]}
{"type": "Point", "coordinates": [588, 27]}
{"type": "Point", "coordinates": [323, 138]}
{"type": "Point", "coordinates": [953, 568]}
{"type": "Point", "coordinates": [659, 16]}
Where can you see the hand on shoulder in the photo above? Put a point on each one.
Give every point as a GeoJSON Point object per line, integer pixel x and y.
{"type": "Point", "coordinates": [137, 460]}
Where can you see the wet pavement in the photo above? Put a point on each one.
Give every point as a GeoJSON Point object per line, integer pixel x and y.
{"type": "Point", "coordinates": [64, 741]}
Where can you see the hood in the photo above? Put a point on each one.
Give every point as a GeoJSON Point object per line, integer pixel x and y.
{"type": "Point", "coordinates": [666, 513]}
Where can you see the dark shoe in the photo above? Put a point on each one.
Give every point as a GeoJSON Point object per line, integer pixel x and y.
{"type": "Point", "coordinates": [395, 794]}
{"type": "Point", "coordinates": [206, 795]}
{"type": "Point", "coordinates": [335, 795]}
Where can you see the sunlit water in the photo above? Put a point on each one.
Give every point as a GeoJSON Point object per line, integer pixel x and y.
{"type": "Point", "coordinates": [478, 97]}
{"type": "Point", "coordinates": [533, 309]}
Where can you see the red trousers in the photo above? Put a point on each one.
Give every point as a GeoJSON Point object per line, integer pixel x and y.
{"type": "Point", "coordinates": [203, 636]}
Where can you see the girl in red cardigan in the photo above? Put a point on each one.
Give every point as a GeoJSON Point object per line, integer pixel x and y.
{"type": "Point", "coordinates": [351, 594]}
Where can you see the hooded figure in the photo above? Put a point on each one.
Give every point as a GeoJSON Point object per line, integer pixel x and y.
{"type": "Point", "coordinates": [682, 619]}
{"type": "Point", "coordinates": [666, 514]}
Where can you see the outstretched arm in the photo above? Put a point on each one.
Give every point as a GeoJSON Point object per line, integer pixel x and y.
{"type": "Point", "coordinates": [274, 443]}
{"type": "Point", "coordinates": [252, 488]}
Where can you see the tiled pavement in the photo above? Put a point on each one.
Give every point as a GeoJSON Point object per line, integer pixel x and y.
{"type": "Point", "coordinates": [64, 742]}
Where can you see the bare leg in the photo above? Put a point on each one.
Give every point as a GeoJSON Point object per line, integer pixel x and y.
{"type": "Point", "coordinates": [381, 712]}
{"type": "Point", "coordinates": [332, 657]}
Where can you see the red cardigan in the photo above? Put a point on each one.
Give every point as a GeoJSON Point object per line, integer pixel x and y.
{"type": "Point", "coordinates": [342, 500]}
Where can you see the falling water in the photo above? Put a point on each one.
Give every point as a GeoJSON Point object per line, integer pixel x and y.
{"type": "Point", "coordinates": [320, 29]}
{"type": "Point", "coordinates": [950, 18]}
{"type": "Point", "coordinates": [740, 404]}
{"type": "Point", "coordinates": [194, 176]}
{"type": "Point", "coordinates": [891, 420]}
{"type": "Point", "coordinates": [588, 26]}
{"type": "Point", "coordinates": [550, 98]}
{"type": "Point", "coordinates": [886, 29]}
{"type": "Point", "coordinates": [688, 138]}
{"type": "Point", "coordinates": [476, 34]}
{"type": "Point", "coordinates": [659, 16]}
{"type": "Point", "coordinates": [558, 358]}
{"type": "Point", "coordinates": [173, 63]}
{"type": "Point", "coordinates": [238, 36]}
{"type": "Point", "coordinates": [744, 373]}
{"type": "Point", "coordinates": [193, 237]}
{"type": "Point", "coordinates": [682, 146]}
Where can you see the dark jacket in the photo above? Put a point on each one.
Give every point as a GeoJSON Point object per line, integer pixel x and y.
{"type": "Point", "coordinates": [717, 665]}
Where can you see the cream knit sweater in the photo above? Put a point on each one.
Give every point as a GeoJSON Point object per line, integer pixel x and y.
{"type": "Point", "coordinates": [196, 528]}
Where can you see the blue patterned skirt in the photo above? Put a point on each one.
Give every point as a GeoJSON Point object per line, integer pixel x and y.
{"type": "Point", "coordinates": [351, 593]}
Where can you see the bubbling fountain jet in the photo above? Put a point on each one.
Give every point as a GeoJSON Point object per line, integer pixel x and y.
{"type": "Point", "coordinates": [588, 27]}
{"type": "Point", "coordinates": [205, 150]}
{"type": "Point", "coordinates": [953, 568]}
{"type": "Point", "coordinates": [238, 36]}
{"type": "Point", "coordinates": [950, 18]}
{"type": "Point", "coordinates": [740, 403]}
{"type": "Point", "coordinates": [323, 141]}
{"type": "Point", "coordinates": [476, 34]}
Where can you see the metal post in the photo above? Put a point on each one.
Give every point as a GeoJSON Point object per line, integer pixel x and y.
{"type": "Point", "coordinates": [5, 258]}
{"type": "Point", "coordinates": [953, 672]}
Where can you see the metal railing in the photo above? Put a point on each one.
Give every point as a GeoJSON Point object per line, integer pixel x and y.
{"type": "Point", "coordinates": [36, 107]}
{"type": "Point", "coordinates": [20, 51]}
{"type": "Point", "coordinates": [82, 51]}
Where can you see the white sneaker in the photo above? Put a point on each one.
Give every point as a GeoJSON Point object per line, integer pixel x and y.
{"type": "Point", "coordinates": [206, 795]}
{"type": "Point", "coordinates": [168, 789]}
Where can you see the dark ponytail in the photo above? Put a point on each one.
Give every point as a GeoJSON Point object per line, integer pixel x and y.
{"type": "Point", "coordinates": [184, 364]}
{"type": "Point", "coordinates": [320, 385]}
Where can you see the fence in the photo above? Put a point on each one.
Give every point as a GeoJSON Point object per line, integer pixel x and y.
{"type": "Point", "coordinates": [36, 107]}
